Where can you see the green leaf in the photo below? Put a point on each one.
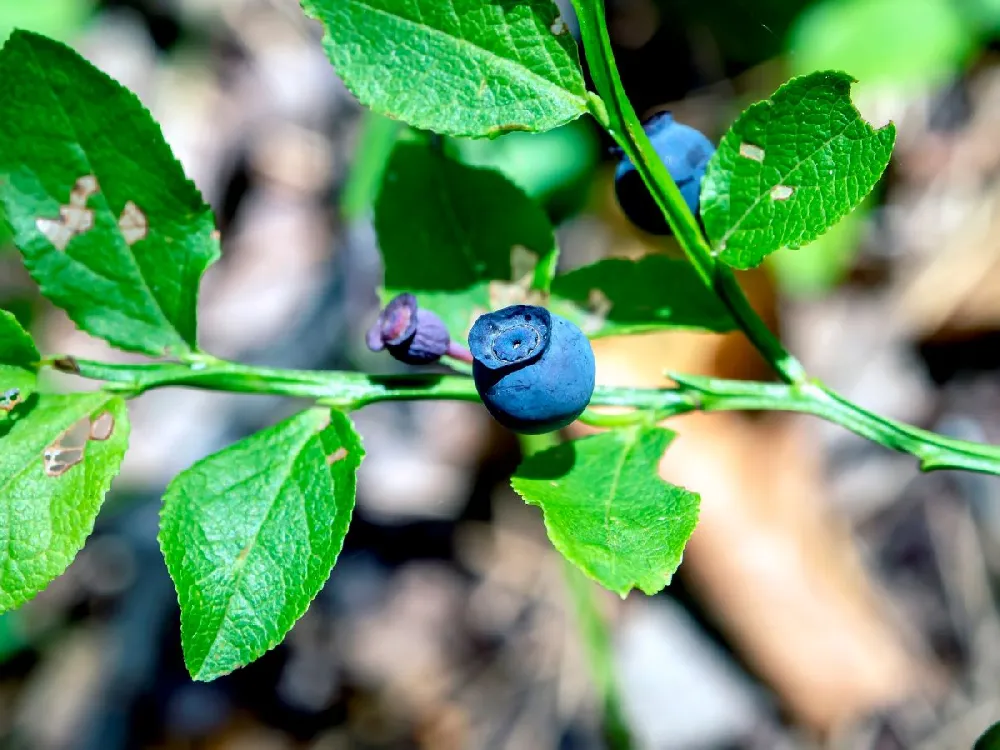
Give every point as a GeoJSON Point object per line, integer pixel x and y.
{"type": "Point", "coordinates": [457, 67]}
{"type": "Point", "coordinates": [790, 168]}
{"type": "Point", "coordinates": [18, 363]}
{"type": "Point", "coordinates": [990, 739]}
{"type": "Point", "coordinates": [607, 510]}
{"type": "Point", "coordinates": [109, 227]}
{"type": "Point", "coordinates": [56, 464]}
{"type": "Point", "coordinates": [618, 296]}
{"type": "Point", "coordinates": [463, 240]}
{"type": "Point", "coordinates": [250, 534]}
{"type": "Point", "coordinates": [555, 168]}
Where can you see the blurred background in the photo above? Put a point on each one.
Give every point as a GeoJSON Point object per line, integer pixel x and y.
{"type": "Point", "coordinates": [831, 596]}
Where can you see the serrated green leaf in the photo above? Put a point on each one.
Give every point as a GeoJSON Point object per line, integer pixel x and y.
{"type": "Point", "coordinates": [457, 67]}
{"type": "Point", "coordinates": [618, 296]}
{"type": "Point", "coordinates": [463, 240]}
{"type": "Point", "coordinates": [18, 362]}
{"type": "Point", "coordinates": [56, 464]}
{"type": "Point", "coordinates": [789, 168]}
{"type": "Point", "coordinates": [608, 511]}
{"type": "Point", "coordinates": [250, 534]}
{"type": "Point", "coordinates": [109, 227]}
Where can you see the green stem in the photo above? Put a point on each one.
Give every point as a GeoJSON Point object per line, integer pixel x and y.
{"type": "Point", "coordinates": [614, 112]}
{"type": "Point", "coordinates": [594, 632]}
{"type": "Point", "coordinates": [350, 390]}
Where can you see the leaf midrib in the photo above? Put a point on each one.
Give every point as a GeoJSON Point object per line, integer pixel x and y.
{"type": "Point", "coordinates": [508, 65]}
{"type": "Point", "coordinates": [252, 544]}
{"type": "Point", "coordinates": [613, 490]}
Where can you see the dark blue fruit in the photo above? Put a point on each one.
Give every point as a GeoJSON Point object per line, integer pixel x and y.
{"type": "Point", "coordinates": [533, 370]}
{"type": "Point", "coordinates": [685, 153]}
{"type": "Point", "coordinates": [411, 335]}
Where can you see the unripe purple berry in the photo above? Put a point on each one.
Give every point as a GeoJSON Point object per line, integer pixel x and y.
{"type": "Point", "coordinates": [411, 335]}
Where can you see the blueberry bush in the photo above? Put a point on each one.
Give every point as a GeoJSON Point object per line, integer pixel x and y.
{"type": "Point", "coordinates": [115, 234]}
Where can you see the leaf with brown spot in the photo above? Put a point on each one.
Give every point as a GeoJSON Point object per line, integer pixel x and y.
{"type": "Point", "coordinates": [338, 455]}
{"type": "Point", "coordinates": [53, 479]}
{"type": "Point", "coordinates": [109, 226]}
{"type": "Point", "coordinates": [133, 223]}
{"type": "Point", "coordinates": [102, 427]}
{"type": "Point", "coordinates": [790, 168]}
{"type": "Point", "coordinates": [18, 363]}
{"type": "Point", "coordinates": [11, 398]}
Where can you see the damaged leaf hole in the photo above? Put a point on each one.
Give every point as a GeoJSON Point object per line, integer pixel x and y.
{"type": "Point", "coordinates": [74, 218]}
{"type": "Point", "coordinates": [133, 223]}
{"type": "Point", "coordinates": [338, 455]}
{"type": "Point", "coordinates": [781, 192]}
{"type": "Point", "coordinates": [67, 450]}
{"type": "Point", "coordinates": [749, 151]}
{"type": "Point", "coordinates": [10, 399]}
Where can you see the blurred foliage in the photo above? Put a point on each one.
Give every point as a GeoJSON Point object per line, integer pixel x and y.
{"type": "Point", "coordinates": [375, 142]}
{"type": "Point", "coordinates": [823, 263]}
{"type": "Point", "coordinates": [744, 32]}
{"type": "Point", "coordinates": [896, 42]}
{"type": "Point", "coordinates": [877, 43]}
{"type": "Point", "coordinates": [985, 14]}
{"type": "Point", "coordinates": [555, 167]}
{"type": "Point", "coordinates": [58, 19]}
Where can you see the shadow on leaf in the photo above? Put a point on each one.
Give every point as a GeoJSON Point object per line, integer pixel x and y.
{"type": "Point", "coordinates": [552, 463]}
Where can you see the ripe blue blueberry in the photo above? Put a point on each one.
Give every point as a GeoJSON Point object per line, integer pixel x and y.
{"type": "Point", "coordinates": [411, 335]}
{"type": "Point", "coordinates": [534, 370]}
{"type": "Point", "coordinates": [685, 153]}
